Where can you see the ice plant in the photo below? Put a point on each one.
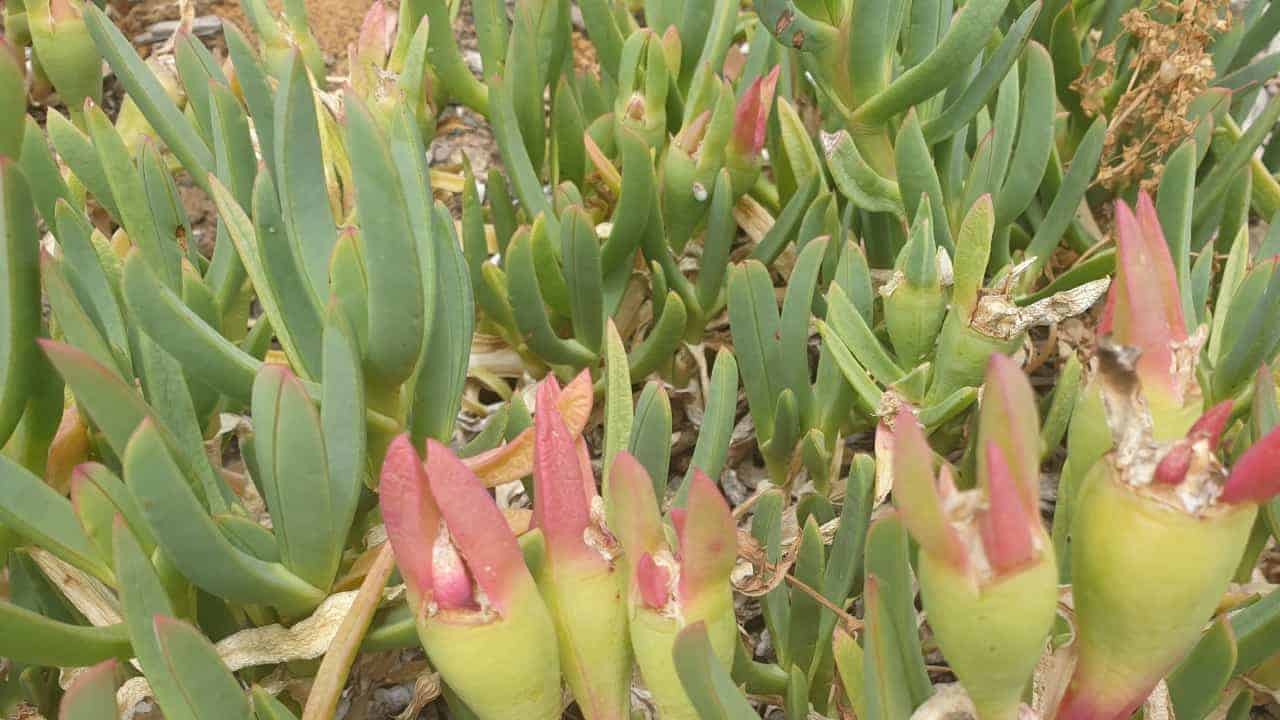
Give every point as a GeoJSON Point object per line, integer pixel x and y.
{"type": "Point", "coordinates": [750, 124]}
{"type": "Point", "coordinates": [693, 158]}
{"type": "Point", "coordinates": [582, 579]}
{"type": "Point", "coordinates": [477, 608]}
{"type": "Point", "coordinates": [915, 305]}
{"type": "Point", "coordinates": [987, 574]}
{"type": "Point", "coordinates": [65, 51]}
{"type": "Point", "coordinates": [1158, 532]}
{"type": "Point", "coordinates": [643, 80]}
{"type": "Point", "coordinates": [672, 586]}
{"type": "Point", "coordinates": [1144, 310]}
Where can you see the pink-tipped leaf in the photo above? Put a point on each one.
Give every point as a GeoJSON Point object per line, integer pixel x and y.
{"type": "Point", "coordinates": [708, 538]}
{"type": "Point", "coordinates": [1173, 467]}
{"type": "Point", "coordinates": [915, 494]}
{"type": "Point", "coordinates": [1145, 310]}
{"type": "Point", "coordinates": [561, 507]}
{"type": "Point", "coordinates": [1255, 478]}
{"type": "Point", "coordinates": [477, 527]}
{"type": "Point", "coordinates": [91, 693]}
{"type": "Point", "coordinates": [751, 119]}
{"type": "Point", "coordinates": [1166, 277]}
{"type": "Point", "coordinates": [1009, 419]}
{"type": "Point", "coordinates": [653, 581]}
{"type": "Point", "coordinates": [377, 33]}
{"type": "Point", "coordinates": [409, 513]}
{"type": "Point", "coordinates": [451, 581]}
{"type": "Point", "coordinates": [1212, 423]}
{"type": "Point", "coordinates": [639, 526]}
{"type": "Point", "coordinates": [1005, 526]}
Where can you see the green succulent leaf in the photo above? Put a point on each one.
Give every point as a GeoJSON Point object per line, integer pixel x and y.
{"type": "Point", "coordinates": [92, 695]}
{"type": "Point", "coordinates": [191, 538]}
{"type": "Point", "coordinates": [199, 672]}
{"type": "Point", "coordinates": [707, 683]}
{"type": "Point", "coordinates": [145, 90]}
{"type": "Point", "coordinates": [1198, 681]}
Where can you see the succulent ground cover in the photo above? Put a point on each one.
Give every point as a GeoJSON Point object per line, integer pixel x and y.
{"type": "Point", "coordinates": [801, 358]}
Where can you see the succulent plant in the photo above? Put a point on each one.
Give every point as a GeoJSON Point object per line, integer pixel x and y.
{"type": "Point", "coordinates": [475, 601]}
{"type": "Point", "coordinates": [750, 276]}
{"type": "Point", "coordinates": [987, 575]}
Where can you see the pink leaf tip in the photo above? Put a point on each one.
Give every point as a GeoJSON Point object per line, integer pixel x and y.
{"type": "Point", "coordinates": [1173, 467]}
{"type": "Point", "coordinates": [408, 512]}
{"type": "Point", "coordinates": [1005, 526]}
{"type": "Point", "coordinates": [561, 505]}
{"type": "Point", "coordinates": [708, 538]}
{"type": "Point", "coordinates": [1256, 475]}
{"type": "Point", "coordinates": [452, 583]}
{"type": "Point", "coordinates": [653, 581]}
{"type": "Point", "coordinates": [1144, 307]}
{"type": "Point", "coordinates": [476, 527]}
{"type": "Point", "coordinates": [1212, 423]}
{"type": "Point", "coordinates": [751, 120]}
{"type": "Point", "coordinates": [377, 33]}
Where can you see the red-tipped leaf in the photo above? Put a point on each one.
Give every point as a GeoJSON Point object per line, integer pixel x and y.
{"type": "Point", "coordinates": [653, 581]}
{"type": "Point", "coordinates": [1255, 478]}
{"type": "Point", "coordinates": [561, 507]}
{"type": "Point", "coordinates": [751, 119]}
{"type": "Point", "coordinates": [452, 583]}
{"type": "Point", "coordinates": [476, 525]}
{"type": "Point", "coordinates": [708, 538]}
{"type": "Point", "coordinates": [1009, 418]}
{"type": "Point", "coordinates": [1212, 423]}
{"type": "Point", "coordinates": [90, 693]}
{"type": "Point", "coordinates": [409, 513]}
{"type": "Point", "coordinates": [638, 525]}
{"type": "Point", "coordinates": [915, 494]}
{"type": "Point", "coordinates": [1006, 528]}
{"type": "Point", "coordinates": [1172, 469]}
{"type": "Point", "coordinates": [1145, 311]}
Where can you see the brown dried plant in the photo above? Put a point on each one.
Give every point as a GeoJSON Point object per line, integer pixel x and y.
{"type": "Point", "coordinates": [1171, 68]}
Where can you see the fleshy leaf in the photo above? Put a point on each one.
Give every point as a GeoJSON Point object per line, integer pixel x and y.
{"type": "Point", "coordinates": [561, 507]}
{"type": "Point", "coordinates": [1144, 308]}
{"type": "Point", "coordinates": [1212, 423]}
{"type": "Point", "coordinates": [476, 525]}
{"type": "Point", "coordinates": [409, 512]}
{"type": "Point", "coordinates": [1173, 467]}
{"type": "Point", "coordinates": [639, 527]}
{"type": "Point", "coordinates": [654, 582]}
{"type": "Point", "coordinates": [1005, 526]}
{"type": "Point", "coordinates": [915, 494]}
{"type": "Point", "coordinates": [1009, 419]}
{"type": "Point", "coordinates": [708, 539]}
{"type": "Point", "coordinates": [1255, 476]}
{"type": "Point", "coordinates": [751, 120]}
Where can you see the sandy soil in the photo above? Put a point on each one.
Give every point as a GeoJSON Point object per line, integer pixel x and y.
{"type": "Point", "coordinates": [334, 22]}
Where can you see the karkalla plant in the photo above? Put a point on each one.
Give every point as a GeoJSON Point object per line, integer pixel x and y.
{"type": "Point", "coordinates": [939, 338]}
{"type": "Point", "coordinates": [581, 575]}
{"type": "Point", "coordinates": [988, 580]}
{"type": "Point", "coordinates": [676, 576]}
{"type": "Point", "coordinates": [1189, 357]}
{"type": "Point", "coordinates": [478, 610]}
{"type": "Point", "coordinates": [1152, 472]}
{"type": "Point", "coordinates": [211, 429]}
{"type": "Point", "coordinates": [1142, 496]}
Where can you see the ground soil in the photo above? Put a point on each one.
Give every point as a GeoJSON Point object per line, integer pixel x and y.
{"type": "Point", "coordinates": [334, 22]}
